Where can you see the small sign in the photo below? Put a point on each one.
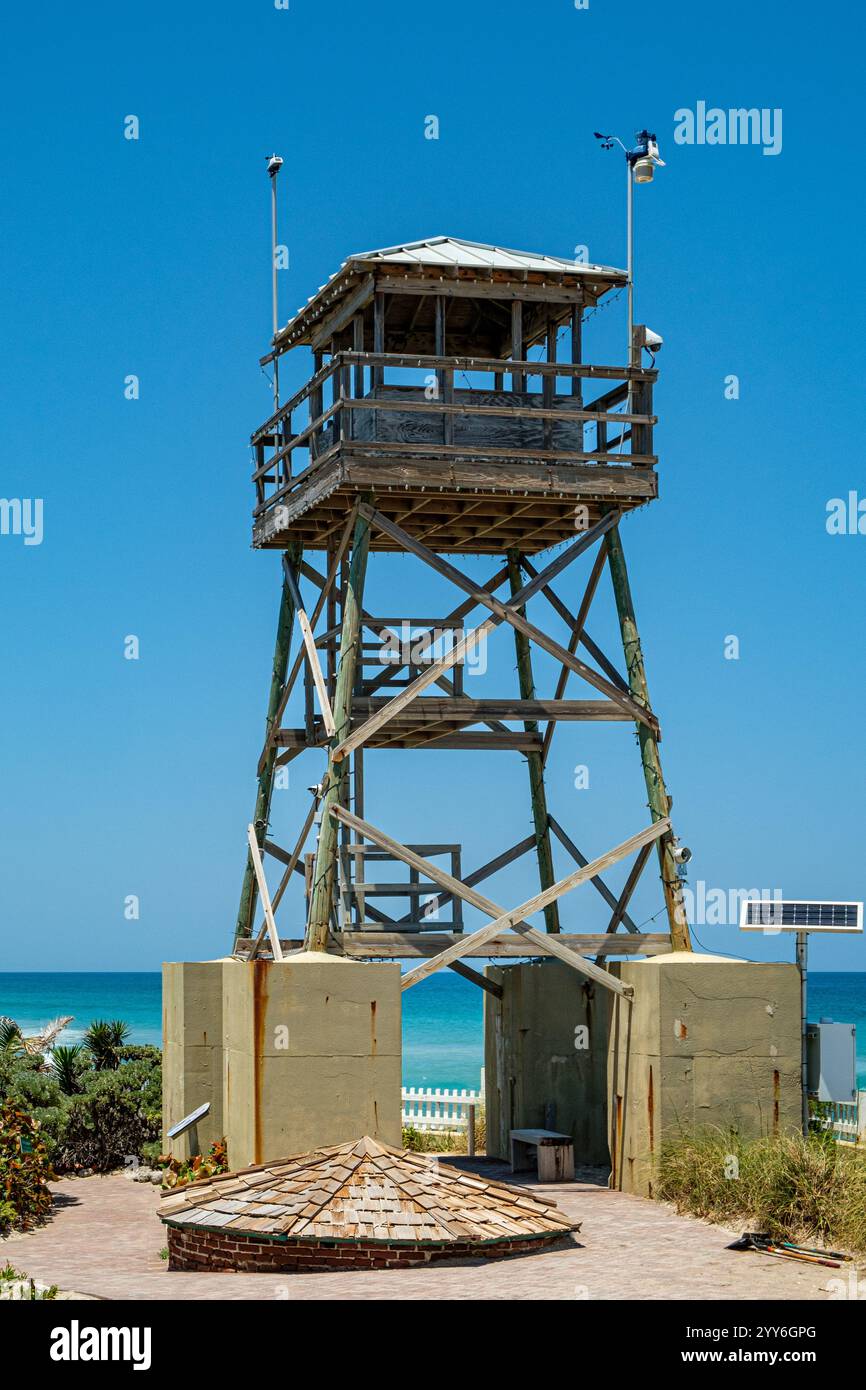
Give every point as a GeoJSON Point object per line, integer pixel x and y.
{"type": "Point", "coordinates": [188, 1121]}
{"type": "Point", "coordinates": [26, 1145]}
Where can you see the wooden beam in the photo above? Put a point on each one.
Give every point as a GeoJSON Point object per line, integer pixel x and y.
{"type": "Point", "coordinates": [619, 912]}
{"type": "Point", "coordinates": [504, 920]}
{"type": "Point", "coordinates": [255, 855]}
{"type": "Point", "coordinates": [477, 978]}
{"type": "Point", "coordinates": [492, 866]}
{"type": "Point", "coordinates": [592, 647]}
{"type": "Point", "coordinates": [295, 741]}
{"type": "Point", "coordinates": [470, 289]}
{"type": "Point", "coordinates": [657, 796]}
{"type": "Point", "coordinates": [264, 789]}
{"type": "Point", "coordinates": [340, 317]}
{"type": "Point", "coordinates": [363, 944]}
{"type": "Point", "coordinates": [510, 612]}
{"type": "Point", "coordinates": [326, 849]}
{"type": "Point", "coordinates": [515, 919]}
{"type": "Point", "coordinates": [534, 763]}
{"type": "Point", "coordinates": [462, 709]}
{"type": "Point", "coordinates": [312, 654]}
{"type": "Point", "coordinates": [518, 380]}
{"type": "Point", "coordinates": [573, 641]}
{"type": "Point", "coordinates": [500, 612]}
{"type": "Point", "coordinates": [325, 587]}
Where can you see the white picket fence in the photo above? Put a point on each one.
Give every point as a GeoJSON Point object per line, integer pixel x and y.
{"type": "Point", "coordinates": [847, 1119]}
{"type": "Point", "coordinates": [442, 1111]}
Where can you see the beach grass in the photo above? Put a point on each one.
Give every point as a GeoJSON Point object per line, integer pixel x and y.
{"type": "Point", "coordinates": [787, 1185]}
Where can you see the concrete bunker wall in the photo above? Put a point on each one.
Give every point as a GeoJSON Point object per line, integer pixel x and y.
{"type": "Point", "coordinates": [293, 1055]}
{"type": "Point", "coordinates": [705, 1043]}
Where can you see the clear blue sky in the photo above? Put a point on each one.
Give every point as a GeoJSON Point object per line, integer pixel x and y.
{"type": "Point", "coordinates": [151, 257]}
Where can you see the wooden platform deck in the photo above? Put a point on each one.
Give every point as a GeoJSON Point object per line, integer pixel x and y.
{"type": "Point", "coordinates": [470, 504]}
{"type": "Point", "coordinates": [472, 470]}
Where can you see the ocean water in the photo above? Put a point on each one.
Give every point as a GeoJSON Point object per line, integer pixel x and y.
{"type": "Point", "coordinates": [442, 1028]}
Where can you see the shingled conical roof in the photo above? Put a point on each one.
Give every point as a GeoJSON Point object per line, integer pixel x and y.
{"type": "Point", "coordinates": [368, 1192]}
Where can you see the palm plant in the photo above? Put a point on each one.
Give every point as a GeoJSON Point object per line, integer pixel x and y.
{"type": "Point", "coordinates": [66, 1064]}
{"type": "Point", "coordinates": [11, 1041]}
{"type": "Point", "coordinates": [103, 1041]}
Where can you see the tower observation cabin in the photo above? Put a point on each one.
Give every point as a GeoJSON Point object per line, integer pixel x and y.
{"type": "Point", "coordinates": [423, 392]}
{"type": "Point", "coordinates": [451, 411]}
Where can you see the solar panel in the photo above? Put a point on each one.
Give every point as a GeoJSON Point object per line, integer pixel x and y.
{"type": "Point", "coordinates": [763, 914]}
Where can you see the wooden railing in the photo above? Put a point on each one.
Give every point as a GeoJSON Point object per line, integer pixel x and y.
{"type": "Point", "coordinates": [360, 401]}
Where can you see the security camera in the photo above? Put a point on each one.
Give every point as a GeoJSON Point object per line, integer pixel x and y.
{"type": "Point", "coordinates": [682, 854]}
{"type": "Point", "coordinates": [275, 163]}
{"type": "Point", "coordinates": [652, 341]}
{"type": "Point", "coordinates": [316, 789]}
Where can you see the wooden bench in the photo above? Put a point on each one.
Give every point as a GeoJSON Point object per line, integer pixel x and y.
{"type": "Point", "coordinates": [554, 1154]}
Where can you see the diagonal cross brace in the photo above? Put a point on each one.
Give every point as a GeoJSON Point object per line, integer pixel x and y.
{"type": "Point", "coordinates": [500, 612]}
{"type": "Point", "coordinates": [312, 654]}
{"type": "Point", "coordinates": [504, 920]}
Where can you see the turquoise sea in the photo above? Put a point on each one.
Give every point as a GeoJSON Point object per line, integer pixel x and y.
{"type": "Point", "coordinates": [442, 1031]}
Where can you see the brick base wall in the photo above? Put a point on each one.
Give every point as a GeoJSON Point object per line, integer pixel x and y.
{"type": "Point", "coordinates": [200, 1250]}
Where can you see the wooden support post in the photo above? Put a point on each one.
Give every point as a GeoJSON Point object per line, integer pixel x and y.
{"type": "Point", "coordinates": [577, 358]}
{"type": "Point", "coordinates": [658, 800]}
{"type": "Point", "coordinates": [518, 381]}
{"type": "Point", "coordinates": [316, 406]}
{"type": "Point", "coordinates": [444, 378]}
{"type": "Point", "coordinates": [358, 379]}
{"type": "Point", "coordinates": [321, 897]}
{"type": "Point", "coordinates": [285, 622]}
{"type": "Point", "coordinates": [534, 759]}
{"type": "Point", "coordinates": [548, 385]}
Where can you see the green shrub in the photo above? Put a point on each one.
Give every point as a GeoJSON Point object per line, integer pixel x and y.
{"type": "Point", "coordinates": [790, 1186]}
{"type": "Point", "coordinates": [95, 1105]}
{"type": "Point", "coordinates": [115, 1115]}
{"type": "Point", "coordinates": [25, 1170]}
{"type": "Point", "coordinates": [25, 1084]}
{"type": "Point", "coordinates": [433, 1141]}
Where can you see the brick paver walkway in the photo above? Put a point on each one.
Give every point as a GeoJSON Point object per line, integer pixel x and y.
{"type": "Point", "coordinates": [104, 1240]}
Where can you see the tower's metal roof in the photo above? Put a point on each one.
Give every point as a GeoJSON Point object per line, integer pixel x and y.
{"type": "Point", "coordinates": [455, 251]}
{"type": "Point", "coordinates": [442, 257]}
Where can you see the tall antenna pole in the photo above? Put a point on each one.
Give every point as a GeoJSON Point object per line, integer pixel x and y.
{"type": "Point", "coordinates": [629, 262]}
{"type": "Point", "coordinates": [274, 166]}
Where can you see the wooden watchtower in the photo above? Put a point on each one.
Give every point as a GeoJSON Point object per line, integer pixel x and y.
{"type": "Point", "coordinates": [425, 428]}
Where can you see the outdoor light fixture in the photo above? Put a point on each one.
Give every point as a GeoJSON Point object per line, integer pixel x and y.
{"type": "Point", "coordinates": [641, 164]}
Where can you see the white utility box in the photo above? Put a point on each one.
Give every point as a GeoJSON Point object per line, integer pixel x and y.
{"type": "Point", "coordinates": [831, 1060]}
